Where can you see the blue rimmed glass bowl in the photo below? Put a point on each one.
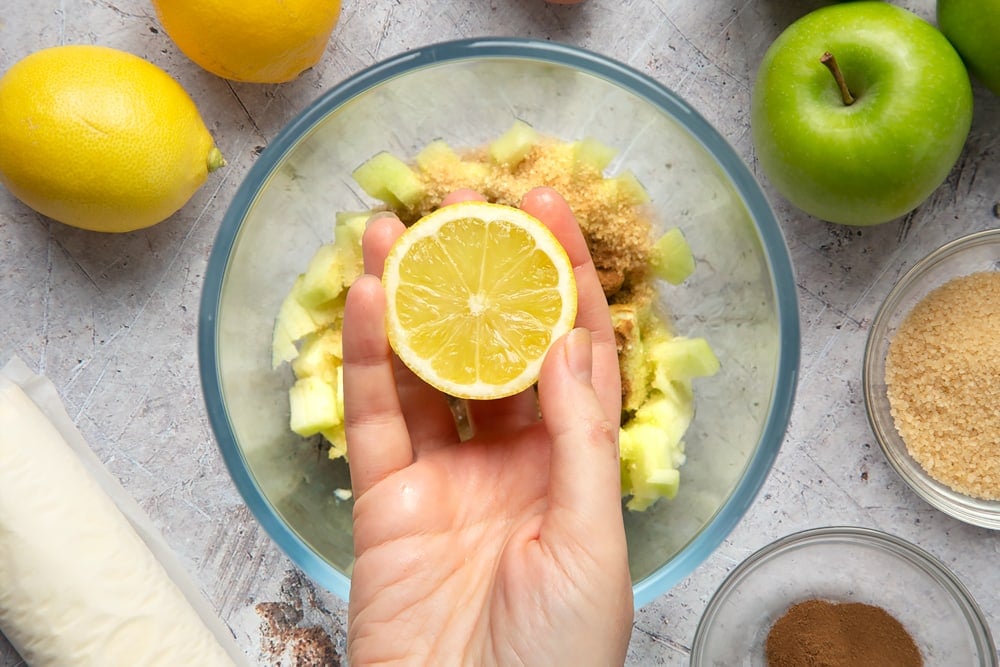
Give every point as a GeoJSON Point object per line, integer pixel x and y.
{"type": "Point", "coordinates": [843, 564]}
{"type": "Point", "coordinates": [741, 296]}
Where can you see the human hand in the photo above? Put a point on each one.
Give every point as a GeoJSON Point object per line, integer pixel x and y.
{"type": "Point", "coordinates": [508, 548]}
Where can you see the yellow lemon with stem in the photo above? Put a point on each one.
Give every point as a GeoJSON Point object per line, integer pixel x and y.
{"type": "Point", "coordinates": [100, 139]}
{"type": "Point", "coordinates": [256, 41]}
{"type": "Point", "coordinates": [476, 294]}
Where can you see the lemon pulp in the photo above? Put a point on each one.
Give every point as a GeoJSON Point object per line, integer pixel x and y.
{"type": "Point", "coordinates": [476, 294]}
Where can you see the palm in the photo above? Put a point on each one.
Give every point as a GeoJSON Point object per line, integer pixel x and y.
{"type": "Point", "coordinates": [450, 548]}
{"type": "Point", "coordinates": [500, 549]}
{"type": "Point", "coordinates": [473, 569]}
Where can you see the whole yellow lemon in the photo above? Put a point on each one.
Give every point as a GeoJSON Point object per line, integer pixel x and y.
{"type": "Point", "coordinates": [257, 41]}
{"type": "Point", "coordinates": [100, 139]}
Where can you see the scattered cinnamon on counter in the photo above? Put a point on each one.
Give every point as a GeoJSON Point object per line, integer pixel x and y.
{"type": "Point", "coordinates": [818, 633]}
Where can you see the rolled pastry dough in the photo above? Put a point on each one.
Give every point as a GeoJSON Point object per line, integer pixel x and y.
{"type": "Point", "coordinates": [78, 586]}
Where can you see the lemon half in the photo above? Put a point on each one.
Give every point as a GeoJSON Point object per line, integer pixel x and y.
{"type": "Point", "coordinates": [476, 295]}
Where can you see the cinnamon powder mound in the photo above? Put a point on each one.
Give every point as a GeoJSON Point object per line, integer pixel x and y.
{"type": "Point", "coordinates": [818, 633]}
{"type": "Point", "coordinates": [942, 376]}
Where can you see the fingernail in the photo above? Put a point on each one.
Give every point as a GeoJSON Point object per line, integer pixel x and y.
{"type": "Point", "coordinates": [579, 355]}
{"type": "Point", "coordinates": [381, 215]}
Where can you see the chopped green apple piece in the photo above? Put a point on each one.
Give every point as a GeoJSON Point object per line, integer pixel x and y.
{"type": "Point", "coordinates": [282, 348]}
{"type": "Point", "coordinates": [640, 503]}
{"type": "Point", "coordinates": [511, 146]}
{"type": "Point", "coordinates": [685, 358]}
{"type": "Point", "coordinates": [669, 413]}
{"type": "Point", "coordinates": [313, 406]}
{"type": "Point", "coordinates": [324, 277]}
{"type": "Point", "coordinates": [654, 450]}
{"type": "Point", "coordinates": [293, 315]}
{"type": "Point", "coordinates": [655, 473]}
{"type": "Point", "coordinates": [626, 188]}
{"type": "Point", "coordinates": [665, 481]}
{"type": "Point", "coordinates": [320, 355]}
{"type": "Point", "coordinates": [338, 441]}
{"type": "Point", "coordinates": [352, 222]}
{"type": "Point", "coordinates": [472, 174]}
{"type": "Point", "coordinates": [651, 442]}
{"type": "Point", "coordinates": [389, 179]}
{"type": "Point", "coordinates": [591, 154]}
{"type": "Point", "coordinates": [438, 160]}
{"type": "Point", "coordinates": [672, 259]}
{"type": "Point", "coordinates": [331, 313]}
{"type": "Point", "coordinates": [628, 451]}
{"type": "Point", "coordinates": [678, 390]}
{"type": "Point", "coordinates": [352, 263]}
{"type": "Point", "coordinates": [435, 154]}
{"type": "Point", "coordinates": [294, 322]}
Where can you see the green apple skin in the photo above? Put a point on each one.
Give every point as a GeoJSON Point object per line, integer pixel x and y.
{"type": "Point", "coordinates": [973, 28]}
{"type": "Point", "coordinates": [882, 156]}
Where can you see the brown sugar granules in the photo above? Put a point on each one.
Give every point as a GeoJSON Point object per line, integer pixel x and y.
{"type": "Point", "coordinates": [818, 633]}
{"type": "Point", "coordinates": [943, 381]}
{"type": "Point", "coordinates": [618, 231]}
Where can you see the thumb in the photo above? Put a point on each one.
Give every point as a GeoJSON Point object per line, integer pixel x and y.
{"type": "Point", "coordinates": [584, 476]}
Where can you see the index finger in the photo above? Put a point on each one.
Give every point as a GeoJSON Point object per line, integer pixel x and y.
{"type": "Point", "coordinates": [592, 311]}
{"type": "Point", "coordinates": [424, 408]}
{"type": "Point", "coordinates": [378, 443]}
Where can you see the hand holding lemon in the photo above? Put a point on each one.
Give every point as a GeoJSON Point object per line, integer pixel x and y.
{"type": "Point", "coordinates": [100, 139]}
{"type": "Point", "coordinates": [520, 526]}
{"type": "Point", "coordinates": [476, 293]}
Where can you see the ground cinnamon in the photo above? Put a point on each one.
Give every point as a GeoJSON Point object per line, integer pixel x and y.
{"type": "Point", "coordinates": [818, 633]}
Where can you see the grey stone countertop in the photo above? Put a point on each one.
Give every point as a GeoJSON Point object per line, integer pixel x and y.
{"type": "Point", "coordinates": [111, 319]}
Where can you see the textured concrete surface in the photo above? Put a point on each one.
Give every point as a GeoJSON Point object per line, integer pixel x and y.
{"type": "Point", "coordinates": [112, 320]}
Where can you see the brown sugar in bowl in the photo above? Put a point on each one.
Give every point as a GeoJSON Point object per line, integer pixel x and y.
{"type": "Point", "coordinates": [932, 378]}
{"type": "Point", "coordinates": [943, 381]}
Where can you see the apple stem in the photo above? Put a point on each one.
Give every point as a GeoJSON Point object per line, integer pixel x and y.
{"type": "Point", "coordinates": [831, 64]}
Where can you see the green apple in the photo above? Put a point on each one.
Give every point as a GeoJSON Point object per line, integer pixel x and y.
{"type": "Point", "coordinates": [973, 27]}
{"type": "Point", "coordinates": [874, 148]}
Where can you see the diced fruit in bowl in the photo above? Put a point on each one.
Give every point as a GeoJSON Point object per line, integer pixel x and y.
{"type": "Point", "coordinates": [672, 259]}
{"type": "Point", "coordinates": [657, 402]}
{"type": "Point", "coordinates": [513, 145]}
{"type": "Point", "coordinates": [387, 178]}
{"type": "Point", "coordinates": [313, 403]}
{"type": "Point", "coordinates": [657, 366]}
{"type": "Point", "coordinates": [740, 297]}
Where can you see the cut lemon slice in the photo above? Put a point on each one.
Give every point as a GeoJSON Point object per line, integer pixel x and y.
{"type": "Point", "coordinates": [476, 295]}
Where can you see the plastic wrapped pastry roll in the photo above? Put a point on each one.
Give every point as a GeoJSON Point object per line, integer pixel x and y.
{"type": "Point", "coordinates": [78, 585]}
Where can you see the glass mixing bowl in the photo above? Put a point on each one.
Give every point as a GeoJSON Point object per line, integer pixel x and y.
{"type": "Point", "coordinates": [843, 564]}
{"type": "Point", "coordinates": [976, 252]}
{"type": "Point", "coordinates": [741, 296]}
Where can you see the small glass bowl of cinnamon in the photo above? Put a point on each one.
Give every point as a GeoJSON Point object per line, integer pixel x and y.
{"type": "Point", "coordinates": [931, 378]}
{"type": "Point", "coordinates": [842, 596]}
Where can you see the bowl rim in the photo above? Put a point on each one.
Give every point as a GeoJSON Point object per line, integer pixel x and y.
{"type": "Point", "coordinates": [748, 189]}
{"type": "Point", "coordinates": [917, 556]}
{"type": "Point", "coordinates": [974, 511]}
